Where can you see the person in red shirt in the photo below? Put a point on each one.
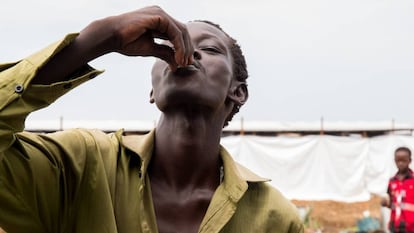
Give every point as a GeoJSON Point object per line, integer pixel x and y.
{"type": "Point", "coordinates": [401, 194]}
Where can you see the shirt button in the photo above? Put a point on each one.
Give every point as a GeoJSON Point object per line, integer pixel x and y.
{"type": "Point", "coordinates": [145, 227]}
{"type": "Point", "coordinates": [18, 88]}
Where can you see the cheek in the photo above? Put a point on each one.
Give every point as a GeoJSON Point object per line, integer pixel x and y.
{"type": "Point", "coordinates": [221, 73]}
{"type": "Point", "coordinates": [156, 72]}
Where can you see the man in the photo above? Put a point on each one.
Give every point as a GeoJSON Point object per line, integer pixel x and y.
{"type": "Point", "coordinates": [401, 194]}
{"type": "Point", "coordinates": [175, 179]}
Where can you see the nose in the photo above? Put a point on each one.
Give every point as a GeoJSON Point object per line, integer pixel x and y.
{"type": "Point", "coordinates": [197, 55]}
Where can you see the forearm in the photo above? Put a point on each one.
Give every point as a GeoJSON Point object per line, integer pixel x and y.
{"type": "Point", "coordinates": [386, 201]}
{"type": "Point", "coordinates": [131, 34]}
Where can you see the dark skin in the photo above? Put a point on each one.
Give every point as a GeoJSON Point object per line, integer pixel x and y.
{"type": "Point", "coordinates": [185, 168]}
{"type": "Point", "coordinates": [195, 100]}
{"type": "Point", "coordinates": [402, 160]}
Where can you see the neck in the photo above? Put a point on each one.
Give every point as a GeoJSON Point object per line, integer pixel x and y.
{"type": "Point", "coordinates": [403, 172]}
{"type": "Point", "coordinates": [186, 150]}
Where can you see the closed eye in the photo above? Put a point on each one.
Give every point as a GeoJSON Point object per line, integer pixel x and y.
{"type": "Point", "coordinates": [211, 49]}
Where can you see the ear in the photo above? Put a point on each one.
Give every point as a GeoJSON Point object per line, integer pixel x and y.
{"type": "Point", "coordinates": [152, 100]}
{"type": "Point", "coordinates": [238, 93]}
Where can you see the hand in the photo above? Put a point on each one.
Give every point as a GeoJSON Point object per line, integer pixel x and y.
{"type": "Point", "coordinates": [385, 201]}
{"type": "Point", "coordinates": [131, 34]}
{"type": "Point", "coordinates": [135, 33]}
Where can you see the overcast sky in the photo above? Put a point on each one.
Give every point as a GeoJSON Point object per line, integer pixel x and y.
{"type": "Point", "coordinates": [350, 60]}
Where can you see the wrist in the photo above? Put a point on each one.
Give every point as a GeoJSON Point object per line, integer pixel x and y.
{"type": "Point", "coordinates": [97, 39]}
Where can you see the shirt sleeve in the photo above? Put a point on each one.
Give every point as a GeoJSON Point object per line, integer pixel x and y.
{"type": "Point", "coordinates": [18, 97]}
{"type": "Point", "coordinates": [37, 181]}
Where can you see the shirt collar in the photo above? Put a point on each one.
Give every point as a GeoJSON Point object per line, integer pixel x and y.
{"type": "Point", "coordinates": [408, 176]}
{"type": "Point", "coordinates": [142, 146]}
{"type": "Point", "coordinates": [234, 173]}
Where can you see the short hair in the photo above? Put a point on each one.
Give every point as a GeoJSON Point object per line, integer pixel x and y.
{"type": "Point", "coordinates": [404, 148]}
{"type": "Point", "coordinates": [239, 64]}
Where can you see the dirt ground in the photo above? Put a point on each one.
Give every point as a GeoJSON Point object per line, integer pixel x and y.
{"type": "Point", "coordinates": [334, 217]}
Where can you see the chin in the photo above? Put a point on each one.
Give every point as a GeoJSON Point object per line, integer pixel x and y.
{"type": "Point", "coordinates": [183, 96]}
{"type": "Point", "coordinates": [185, 102]}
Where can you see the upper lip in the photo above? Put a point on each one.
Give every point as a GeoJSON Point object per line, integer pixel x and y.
{"type": "Point", "coordinates": [196, 64]}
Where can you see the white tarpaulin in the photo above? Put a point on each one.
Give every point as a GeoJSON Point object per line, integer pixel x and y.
{"type": "Point", "coordinates": [321, 167]}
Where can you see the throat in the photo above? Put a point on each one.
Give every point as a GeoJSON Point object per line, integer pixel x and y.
{"type": "Point", "coordinates": [185, 153]}
{"type": "Point", "coordinates": [180, 212]}
{"type": "Point", "coordinates": [186, 172]}
{"type": "Point", "coordinates": [191, 122]}
{"type": "Point", "coordinates": [182, 209]}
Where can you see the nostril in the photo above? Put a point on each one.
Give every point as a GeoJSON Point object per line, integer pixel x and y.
{"type": "Point", "coordinates": [197, 55]}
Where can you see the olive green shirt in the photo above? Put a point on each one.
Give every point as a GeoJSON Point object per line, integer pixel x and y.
{"type": "Point", "coordinates": [89, 181]}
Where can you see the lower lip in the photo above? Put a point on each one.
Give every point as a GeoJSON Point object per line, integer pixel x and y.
{"type": "Point", "coordinates": [186, 70]}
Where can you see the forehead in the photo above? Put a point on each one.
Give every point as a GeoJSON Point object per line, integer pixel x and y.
{"type": "Point", "coordinates": [203, 30]}
{"type": "Point", "coordinates": [402, 153]}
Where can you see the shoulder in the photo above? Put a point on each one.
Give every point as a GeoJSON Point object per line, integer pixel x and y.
{"type": "Point", "coordinates": [271, 197]}
{"type": "Point", "coordinates": [266, 193]}
{"type": "Point", "coordinates": [262, 208]}
{"type": "Point", "coordinates": [264, 196]}
{"type": "Point", "coordinates": [271, 208]}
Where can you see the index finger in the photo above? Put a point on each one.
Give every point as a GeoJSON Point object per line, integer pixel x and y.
{"type": "Point", "coordinates": [177, 33]}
